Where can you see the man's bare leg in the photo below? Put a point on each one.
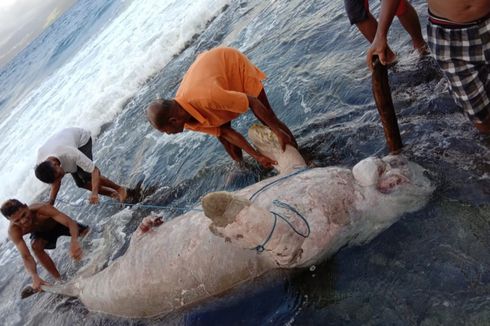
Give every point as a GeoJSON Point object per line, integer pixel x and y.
{"type": "Point", "coordinates": [121, 191]}
{"type": "Point", "coordinates": [263, 98]}
{"type": "Point", "coordinates": [120, 194]}
{"type": "Point", "coordinates": [410, 21]}
{"type": "Point", "coordinates": [46, 261]}
{"type": "Point", "coordinates": [109, 192]}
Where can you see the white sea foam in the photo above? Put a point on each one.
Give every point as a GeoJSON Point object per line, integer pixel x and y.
{"type": "Point", "coordinates": [90, 89]}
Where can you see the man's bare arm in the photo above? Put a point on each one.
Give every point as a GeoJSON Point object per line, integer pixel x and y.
{"type": "Point", "coordinates": [233, 137]}
{"type": "Point", "coordinates": [234, 151]}
{"type": "Point", "coordinates": [55, 188]}
{"type": "Point", "coordinates": [268, 117]}
{"type": "Point", "coordinates": [29, 262]}
{"type": "Point", "coordinates": [48, 210]}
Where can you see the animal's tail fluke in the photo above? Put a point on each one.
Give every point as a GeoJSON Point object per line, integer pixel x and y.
{"type": "Point", "coordinates": [70, 289]}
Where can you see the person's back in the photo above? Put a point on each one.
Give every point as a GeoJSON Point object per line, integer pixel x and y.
{"type": "Point", "coordinates": [216, 86]}
{"type": "Point", "coordinates": [61, 141]}
{"type": "Point", "coordinates": [223, 67]}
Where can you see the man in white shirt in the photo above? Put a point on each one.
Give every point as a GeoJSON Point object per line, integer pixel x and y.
{"type": "Point", "coordinates": [70, 151]}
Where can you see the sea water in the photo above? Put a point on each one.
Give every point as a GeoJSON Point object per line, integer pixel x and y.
{"type": "Point", "coordinates": [101, 63]}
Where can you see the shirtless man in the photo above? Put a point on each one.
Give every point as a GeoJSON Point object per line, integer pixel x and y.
{"type": "Point", "coordinates": [218, 87]}
{"type": "Point", "coordinates": [70, 151]}
{"type": "Point", "coordinates": [45, 224]}
{"type": "Point", "coordinates": [458, 34]}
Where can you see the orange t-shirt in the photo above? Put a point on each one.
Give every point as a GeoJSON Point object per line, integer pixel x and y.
{"type": "Point", "coordinates": [214, 90]}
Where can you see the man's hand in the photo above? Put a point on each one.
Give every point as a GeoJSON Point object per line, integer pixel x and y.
{"type": "Point", "coordinates": [75, 250]}
{"type": "Point", "coordinates": [284, 139]}
{"type": "Point", "coordinates": [379, 47]}
{"type": "Point", "coordinates": [265, 161]}
{"type": "Point", "coordinates": [94, 198]}
{"type": "Point", "coordinates": [37, 282]}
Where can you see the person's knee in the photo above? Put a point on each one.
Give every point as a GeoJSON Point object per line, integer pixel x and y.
{"type": "Point", "coordinates": [38, 246]}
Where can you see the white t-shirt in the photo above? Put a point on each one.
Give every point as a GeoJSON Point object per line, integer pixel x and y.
{"type": "Point", "coordinates": [64, 146]}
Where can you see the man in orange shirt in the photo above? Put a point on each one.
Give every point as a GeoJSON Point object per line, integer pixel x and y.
{"type": "Point", "coordinates": [219, 86]}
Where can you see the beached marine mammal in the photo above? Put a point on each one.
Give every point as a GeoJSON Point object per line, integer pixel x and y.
{"type": "Point", "coordinates": [193, 257]}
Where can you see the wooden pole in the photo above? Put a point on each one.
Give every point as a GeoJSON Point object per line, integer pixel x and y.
{"type": "Point", "coordinates": [384, 103]}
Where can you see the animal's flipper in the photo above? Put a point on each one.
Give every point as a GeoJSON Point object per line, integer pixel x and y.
{"type": "Point", "coordinates": [222, 207]}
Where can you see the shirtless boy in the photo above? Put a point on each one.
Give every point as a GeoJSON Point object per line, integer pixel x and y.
{"type": "Point", "coordinates": [45, 224]}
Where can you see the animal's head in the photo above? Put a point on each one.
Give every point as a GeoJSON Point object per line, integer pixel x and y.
{"type": "Point", "coordinates": [266, 142]}
{"type": "Point", "coordinates": [397, 178]}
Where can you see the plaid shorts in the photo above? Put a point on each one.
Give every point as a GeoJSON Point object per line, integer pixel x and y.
{"type": "Point", "coordinates": [463, 53]}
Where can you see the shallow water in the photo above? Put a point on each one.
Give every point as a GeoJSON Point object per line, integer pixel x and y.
{"type": "Point", "coordinates": [429, 268]}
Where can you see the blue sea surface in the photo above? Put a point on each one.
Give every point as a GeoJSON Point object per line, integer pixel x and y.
{"type": "Point", "coordinates": [101, 63]}
{"type": "Point", "coordinates": [57, 44]}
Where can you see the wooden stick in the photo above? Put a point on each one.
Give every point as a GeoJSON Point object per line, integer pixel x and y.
{"type": "Point", "coordinates": [384, 103]}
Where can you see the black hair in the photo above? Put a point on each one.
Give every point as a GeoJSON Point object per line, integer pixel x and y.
{"type": "Point", "coordinates": [162, 115]}
{"type": "Point", "coordinates": [45, 172]}
{"type": "Point", "coordinates": [10, 207]}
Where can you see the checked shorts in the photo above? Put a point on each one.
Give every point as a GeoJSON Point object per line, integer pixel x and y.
{"type": "Point", "coordinates": [463, 53]}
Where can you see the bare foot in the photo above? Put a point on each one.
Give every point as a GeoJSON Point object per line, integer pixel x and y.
{"type": "Point", "coordinates": [122, 194]}
{"type": "Point", "coordinates": [422, 50]}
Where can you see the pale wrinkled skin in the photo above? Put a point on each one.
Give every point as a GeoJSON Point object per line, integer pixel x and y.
{"type": "Point", "coordinates": [185, 261]}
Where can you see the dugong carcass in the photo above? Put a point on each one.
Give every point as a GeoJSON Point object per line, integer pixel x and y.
{"type": "Point", "coordinates": [294, 219]}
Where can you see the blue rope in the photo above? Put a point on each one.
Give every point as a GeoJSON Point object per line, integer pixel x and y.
{"type": "Point", "coordinates": [281, 204]}
{"type": "Point", "coordinates": [185, 208]}
{"type": "Point", "coordinates": [260, 248]}
{"type": "Point", "coordinates": [298, 171]}
{"type": "Point", "coordinates": [108, 203]}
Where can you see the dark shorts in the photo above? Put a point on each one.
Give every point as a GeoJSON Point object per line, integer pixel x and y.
{"type": "Point", "coordinates": [82, 178]}
{"type": "Point", "coordinates": [358, 10]}
{"type": "Point", "coordinates": [463, 53]}
{"type": "Point", "coordinates": [52, 235]}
